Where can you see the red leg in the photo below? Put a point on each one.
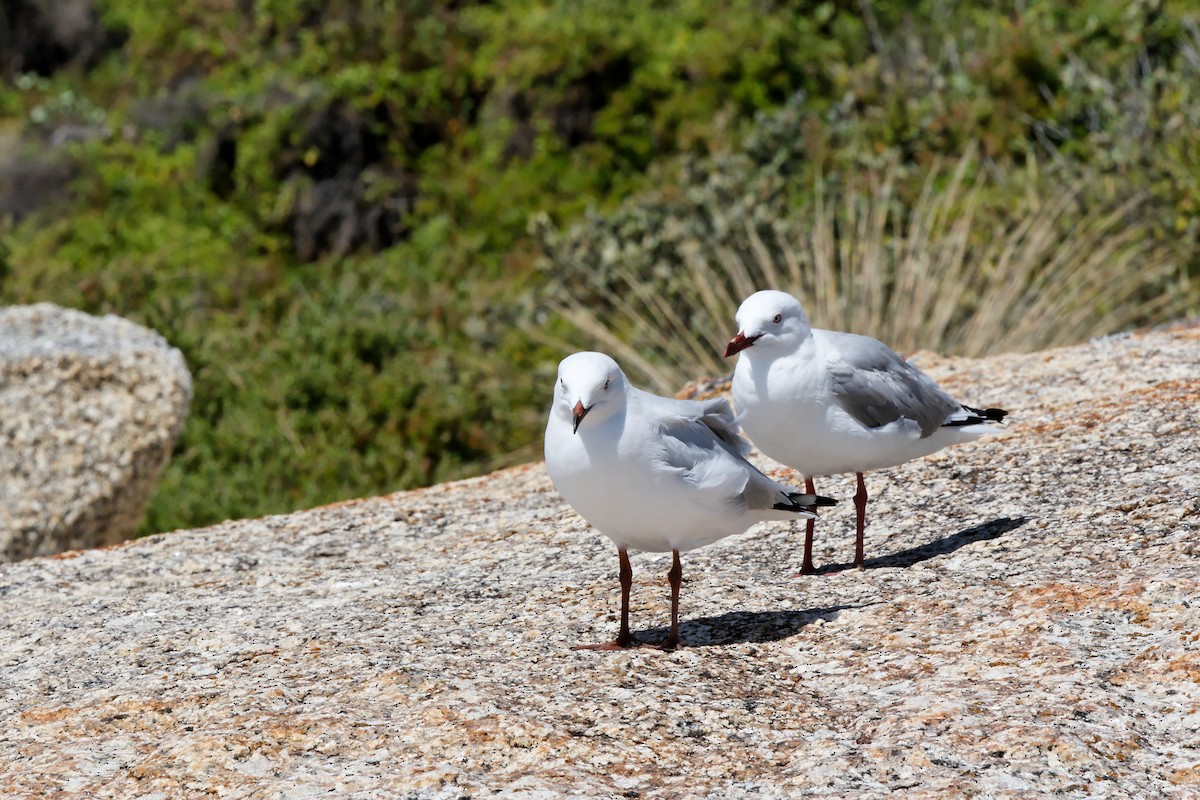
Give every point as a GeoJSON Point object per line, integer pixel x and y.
{"type": "Point", "coordinates": [860, 505]}
{"type": "Point", "coordinates": [675, 577]}
{"type": "Point", "coordinates": [624, 637]}
{"type": "Point", "coordinates": [807, 567]}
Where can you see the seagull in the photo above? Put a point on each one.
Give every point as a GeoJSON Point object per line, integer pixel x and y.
{"type": "Point", "coordinates": [655, 474]}
{"type": "Point", "coordinates": [824, 402]}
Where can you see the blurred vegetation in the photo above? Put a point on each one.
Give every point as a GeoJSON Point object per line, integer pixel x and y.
{"type": "Point", "coordinates": [326, 205]}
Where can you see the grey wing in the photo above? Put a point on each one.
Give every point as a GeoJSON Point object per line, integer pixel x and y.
{"type": "Point", "coordinates": [677, 416]}
{"type": "Point", "coordinates": [700, 441]}
{"type": "Point", "coordinates": [717, 415]}
{"type": "Point", "coordinates": [875, 386]}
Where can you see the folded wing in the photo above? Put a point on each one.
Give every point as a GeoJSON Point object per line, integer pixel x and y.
{"type": "Point", "coordinates": [876, 387]}
{"type": "Point", "coordinates": [699, 442]}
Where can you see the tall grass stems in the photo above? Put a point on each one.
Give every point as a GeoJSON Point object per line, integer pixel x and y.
{"type": "Point", "coordinates": [933, 273]}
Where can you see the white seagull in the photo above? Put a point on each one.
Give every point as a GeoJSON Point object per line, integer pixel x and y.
{"type": "Point", "coordinates": [825, 402]}
{"type": "Point", "coordinates": [653, 473]}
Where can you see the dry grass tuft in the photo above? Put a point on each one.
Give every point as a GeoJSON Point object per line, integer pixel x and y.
{"type": "Point", "coordinates": [927, 275]}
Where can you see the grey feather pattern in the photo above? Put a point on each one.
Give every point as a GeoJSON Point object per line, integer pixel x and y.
{"type": "Point", "coordinates": [876, 387]}
{"type": "Point", "coordinates": [700, 440]}
{"type": "Point", "coordinates": [697, 430]}
{"type": "Point", "coordinates": [718, 416]}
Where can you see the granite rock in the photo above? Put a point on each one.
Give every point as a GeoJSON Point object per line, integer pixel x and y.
{"type": "Point", "coordinates": [1027, 625]}
{"type": "Point", "coordinates": [92, 407]}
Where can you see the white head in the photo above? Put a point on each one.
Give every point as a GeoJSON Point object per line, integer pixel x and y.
{"type": "Point", "coordinates": [589, 385]}
{"type": "Point", "coordinates": [769, 321]}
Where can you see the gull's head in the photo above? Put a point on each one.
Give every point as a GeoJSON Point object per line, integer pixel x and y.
{"type": "Point", "coordinates": [589, 385]}
{"type": "Point", "coordinates": [769, 320]}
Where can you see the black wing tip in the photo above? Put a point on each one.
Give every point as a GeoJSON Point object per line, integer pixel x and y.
{"type": "Point", "coordinates": [978, 417]}
{"type": "Point", "coordinates": [798, 501]}
{"type": "Point", "coordinates": [990, 414]}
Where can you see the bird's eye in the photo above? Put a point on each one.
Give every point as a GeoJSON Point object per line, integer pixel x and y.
{"type": "Point", "coordinates": [778, 319]}
{"type": "Point", "coordinates": [606, 380]}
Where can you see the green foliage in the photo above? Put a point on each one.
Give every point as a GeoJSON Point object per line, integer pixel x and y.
{"type": "Point", "coordinates": [344, 396]}
{"type": "Point", "coordinates": [325, 204]}
{"type": "Point", "coordinates": [310, 386]}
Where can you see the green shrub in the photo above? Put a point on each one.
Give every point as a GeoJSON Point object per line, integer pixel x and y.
{"type": "Point", "coordinates": [385, 345]}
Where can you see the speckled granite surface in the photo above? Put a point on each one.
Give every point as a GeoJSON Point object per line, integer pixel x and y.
{"type": "Point", "coordinates": [1028, 626]}
{"type": "Point", "coordinates": [90, 408]}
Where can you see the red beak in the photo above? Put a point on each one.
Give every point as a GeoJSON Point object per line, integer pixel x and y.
{"type": "Point", "coordinates": [739, 343]}
{"type": "Point", "coordinates": [580, 412]}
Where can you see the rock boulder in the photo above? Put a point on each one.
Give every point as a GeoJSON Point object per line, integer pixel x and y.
{"type": "Point", "coordinates": [90, 409]}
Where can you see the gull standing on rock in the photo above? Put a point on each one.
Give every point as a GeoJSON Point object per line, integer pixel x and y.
{"type": "Point", "coordinates": [825, 402]}
{"type": "Point", "coordinates": [653, 473]}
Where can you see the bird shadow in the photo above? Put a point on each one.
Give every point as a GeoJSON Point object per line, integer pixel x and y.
{"type": "Point", "coordinates": [736, 627]}
{"type": "Point", "coordinates": [992, 529]}
{"type": "Point", "coordinates": [756, 627]}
